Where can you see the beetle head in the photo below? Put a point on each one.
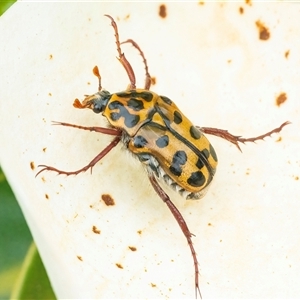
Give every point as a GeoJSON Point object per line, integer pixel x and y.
{"type": "Point", "coordinates": [97, 102]}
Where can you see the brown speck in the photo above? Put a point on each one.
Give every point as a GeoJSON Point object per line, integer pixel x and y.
{"type": "Point", "coordinates": [32, 165]}
{"type": "Point", "coordinates": [248, 2]}
{"type": "Point", "coordinates": [127, 17]}
{"type": "Point", "coordinates": [209, 224]}
{"type": "Point", "coordinates": [119, 266]}
{"type": "Point", "coordinates": [162, 11]}
{"type": "Point", "coordinates": [201, 2]}
{"type": "Point", "coordinates": [241, 10]}
{"type": "Point", "coordinates": [229, 61]}
{"type": "Point", "coordinates": [50, 56]}
{"type": "Point", "coordinates": [108, 200]}
{"type": "Point", "coordinates": [153, 284]}
{"type": "Point", "coordinates": [153, 80]}
{"type": "Point", "coordinates": [79, 257]}
{"type": "Point", "coordinates": [279, 139]}
{"type": "Point", "coordinates": [91, 206]}
{"type": "Point", "coordinates": [44, 149]}
{"type": "Point", "coordinates": [139, 231]}
{"type": "Point", "coordinates": [287, 53]}
{"type": "Point", "coordinates": [50, 94]}
{"type": "Point", "coordinates": [47, 196]}
{"type": "Point", "coordinates": [264, 33]}
{"type": "Point", "coordinates": [43, 179]}
{"type": "Point", "coordinates": [132, 248]}
{"type": "Point", "coordinates": [88, 83]}
{"type": "Point", "coordinates": [296, 177]}
{"type": "Point", "coordinates": [281, 99]}
{"type": "Point", "coordinates": [95, 230]}
{"type": "Point", "coordinates": [220, 241]}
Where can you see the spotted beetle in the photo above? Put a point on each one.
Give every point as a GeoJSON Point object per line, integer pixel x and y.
{"type": "Point", "coordinates": [154, 130]}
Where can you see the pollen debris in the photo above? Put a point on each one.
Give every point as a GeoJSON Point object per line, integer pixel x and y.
{"type": "Point", "coordinates": [264, 33]}
{"type": "Point", "coordinates": [119, 266]}
{"type": "Point", "coordinates": [287, 53]}
{"type": "Point", "coordinates": [162, 11]}
{"type": "Point", "coordinates": [32, 165]}
{"type": "Point", "coordinates": [47, 196]}
{"type": "Point", "coordinates": [281, 99]}
{"type": "Point", "coordinates": [108, 200]}
{"type": "Point", "coordinates": [79, 257]}
{"type": "Point", "coordinates": [96, 230]}
{"type": "Point", "coordinates": [132, 248]}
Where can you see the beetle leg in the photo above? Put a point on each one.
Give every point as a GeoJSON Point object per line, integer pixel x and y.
{"type": "Point", "coordinates": [122, 59]}
{"type": "Point", "coordinates": [148, 77]}
{"type": "Point", "coordinates": [109, 131]}
{"type": "Point", "coordinates": [235, 139]}
{"type": "Point", "coordinates": [107, 149]}
{"type": "Point", "coordinates": [181, 222]}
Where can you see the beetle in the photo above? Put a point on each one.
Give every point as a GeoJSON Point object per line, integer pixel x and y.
{"type": "Point", "coordinates": [160, 136]}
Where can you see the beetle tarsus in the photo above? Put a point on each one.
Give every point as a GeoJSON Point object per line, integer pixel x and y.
{"type": "Point", "coordinates": [235, 139]}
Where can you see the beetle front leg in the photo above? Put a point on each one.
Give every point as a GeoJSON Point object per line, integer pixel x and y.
{"type": "Point", "coordinates": [148, 77]}
{"type": "Point", "coordinates": [122, 59]}
{"type": "Point", "coordinates": [235, 139]}
{"type": "Point", "coordinates": [181, 222]}
{"type": "Point", "coordinates": [104, 130]}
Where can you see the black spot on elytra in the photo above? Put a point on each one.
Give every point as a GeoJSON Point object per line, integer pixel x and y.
{"type": "Point", "coordinates": [199, 163]}
{"type": "Point", "coordinates": [135, 104]}
{"type": "Point", "coordinates": [213, 153]}
{"type": "Point", "coordinates": [163, 141]}
{"type": "Point", "coordinates": [166, 100]}
{"type": "Point", "coordinates": [129, 119]}
{"type": "Point", "coordinates": [139, 141]}
{"type": "Point", "coordinates": [195, 133]}
{"type": "Point", "coordinates": [205, 152]}
{"type": "Point", "coordinates": [177, 117]}
{"type": "Point", "coordinates": [176, 170]}
{"type": "Point", "coordinates": [197, 179]}
{"type": "Point", "coordinates": [178, 160]}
